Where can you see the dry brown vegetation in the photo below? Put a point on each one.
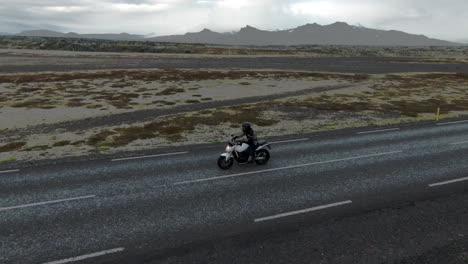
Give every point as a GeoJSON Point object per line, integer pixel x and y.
{"type": "Point", "coordinates": [173, 127]}
{"type": "Point", "coordinates": [61, 143]}
{"type": "Point", "coordinates": [379, 96]}
{"type": "Point", "coordinates": [12, 146]}
{"type": "Point", "coordinates": [400, 95]}
{"type": "Point", "coordinates": [42, 103]}
{"type": "Point", "coordinates": [97, 47]}
{"type": "Point", "coordinates": [162, 102]}
{"type": "Point", "coordinates": [121, 88]}
{"type": "Point", "coordinates": [170, 75]}
{"type": "Point", "coordinates": [99, 137]}
{"type": "Point", "coordinates": [170, 91]}
{"type": "Point", "coordinates": [408, 95]}
{"type": "Point", "coordinates": [37, 148]}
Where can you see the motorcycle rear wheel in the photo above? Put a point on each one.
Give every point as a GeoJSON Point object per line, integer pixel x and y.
{"type": "Point", "coordinates": [262, 157]}
{"type": "Point", "coordinates": [223, 164]}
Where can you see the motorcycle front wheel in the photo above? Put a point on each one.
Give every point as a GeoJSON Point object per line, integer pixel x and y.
{"type": "Point", "coordinates": [225, 164]}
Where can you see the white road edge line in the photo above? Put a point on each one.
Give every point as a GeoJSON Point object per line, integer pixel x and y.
{"type": "Point", "coordinates": [462, 142]}
{"type": "Point", "coordinates": [455, 122]}
{"type": "Point", "coordinates": [284, 168]}
{"type": "Point", "coordinates": [288, 141]}
{"type": "Point", "coordinates": [48, 202]}
{"type": "Point", "coordinates": [8, 171]}
{"type": "Point", "coordinates": [321, 207]}
{"type": "Point", "coordinates": [448, 182]}
{"type": "Point", "coordinates": [151, 156]}
{"type": "Point", "coordinates": [92, 255]}
{"type": "Point", "coordinates": [377, 131]}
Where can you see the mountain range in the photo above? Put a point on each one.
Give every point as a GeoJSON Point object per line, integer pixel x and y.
{"type": "Point", "coordinates": [55, 34]}
{"type": "Point", "coordinates": [338, 33]}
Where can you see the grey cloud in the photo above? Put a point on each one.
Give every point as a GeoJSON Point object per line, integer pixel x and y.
{"type": "Point", "coordinates": [435, 18]}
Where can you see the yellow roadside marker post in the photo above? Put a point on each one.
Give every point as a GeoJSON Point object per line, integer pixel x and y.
{"type": "Point", "coordinates": [438, 114]}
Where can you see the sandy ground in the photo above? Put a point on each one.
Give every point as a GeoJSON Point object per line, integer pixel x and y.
{"type": "Point", "coordinates": [371, 100]}
{"type": "Point", "coordinates": [80, 99]}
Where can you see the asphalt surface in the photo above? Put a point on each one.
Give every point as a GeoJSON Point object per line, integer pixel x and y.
{"type": "Point", "coordinates": [370, 65]}
{"type": "Point", "coordinates": [353, 198]}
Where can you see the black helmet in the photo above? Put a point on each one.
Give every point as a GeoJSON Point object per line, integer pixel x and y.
{"type": "Point", "coordinates": [246, 126]}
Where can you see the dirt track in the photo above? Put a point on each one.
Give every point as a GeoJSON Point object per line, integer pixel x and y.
{"type": "Point", "coordinates": [371, 65]}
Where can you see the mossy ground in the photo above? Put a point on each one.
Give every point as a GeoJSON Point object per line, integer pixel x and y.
{"type": "Point", "coordinates": [127, 89]}
{"type": "Point", "coordinates": [384, 99]}
{"type": "Point", "coordinates": [172, 128]}
{"type": "Point", "coordinates": [408, 96]}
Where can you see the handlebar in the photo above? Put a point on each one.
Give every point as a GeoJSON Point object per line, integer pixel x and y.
{"type": "Point", "coordinates": [233, 141]}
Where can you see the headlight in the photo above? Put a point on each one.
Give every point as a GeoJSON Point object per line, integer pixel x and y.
{"type": "Point", "coordinates": [228, 148]}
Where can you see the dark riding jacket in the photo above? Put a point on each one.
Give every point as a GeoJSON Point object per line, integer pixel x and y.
{"type": "Point", "coordinates": [250, 137]}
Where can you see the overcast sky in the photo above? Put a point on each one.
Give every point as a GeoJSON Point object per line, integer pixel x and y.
{"type": "Point", "coordinates": [444, 19]}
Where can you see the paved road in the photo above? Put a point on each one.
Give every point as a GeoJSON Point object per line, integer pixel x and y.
{"type": "Point", "coordinates": [178, 207]}
{"type": "Point", "coordinates": [12, 63]}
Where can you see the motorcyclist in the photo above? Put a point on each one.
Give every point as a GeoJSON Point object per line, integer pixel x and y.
{"type": "Point", "coordinates": [250, 138]}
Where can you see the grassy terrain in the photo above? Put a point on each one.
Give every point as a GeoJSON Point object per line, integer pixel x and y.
{"type": "Point", "coordinates": [408, 95]}
{"type": "Point", "coordinates": [398, 96]}
{"type": "Point", "coordinates": [122, 88]}
{"type": "Point", "coordinates": [438, 54]}
{"type": "Point", "coordinates": [369, 100]}
{"type": "Point", "coordinates": [173, 127]}
{"type": "Point", "coordinates": [95, 45]}
{"type": "Point", "coordinates": [169, 75]}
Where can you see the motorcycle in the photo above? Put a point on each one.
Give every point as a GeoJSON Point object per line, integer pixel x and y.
{"type": "Point", "coordinates": [236, 151]}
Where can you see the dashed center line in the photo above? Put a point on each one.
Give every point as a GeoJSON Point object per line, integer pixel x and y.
{"type": "Point", "coordinates": [151, 156]}
{"type": "Point", "coordinates": [8, 171]}
{"type": "Point", "coordinates": [454, 122]}
{"type": "Point", "coordinates": [284, 168]}
{"type": "Point", "coordinates": [288, 141]}
{"type": "Point", "coordinates": [87, 256]}
{"type": "Point", "coordinates": [458, 143]}
{"type": "Point", "coordinates": [448, 182]}
{"type": "Point", "coordinates": [378, 131]}
{"type": "Point", "coordinates": [321, 207]}
{"type": "Point", "coordinates": [48, 202]}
